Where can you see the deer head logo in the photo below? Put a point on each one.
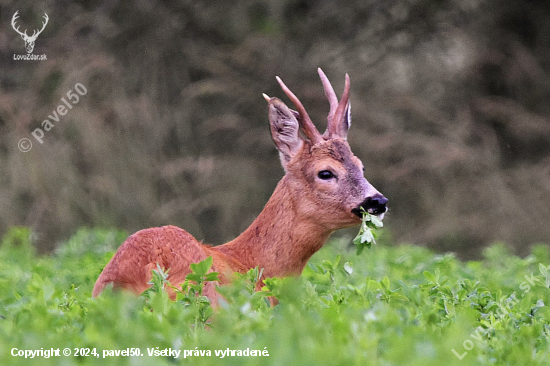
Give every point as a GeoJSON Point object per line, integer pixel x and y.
{"type": "Point", "coordinates": [29, 40]}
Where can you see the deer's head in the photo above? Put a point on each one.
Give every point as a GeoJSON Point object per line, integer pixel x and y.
{"type": "Point", "coordinates": [322, 172]}
{"type": "Point", "coordinates": [29, 40]}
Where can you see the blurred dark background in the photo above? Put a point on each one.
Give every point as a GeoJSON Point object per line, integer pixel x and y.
{"type": "Point", "coordinates": [451, 113]}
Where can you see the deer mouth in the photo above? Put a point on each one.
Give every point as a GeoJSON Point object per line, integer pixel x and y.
{"type": "Point", "coordinates": [375, 205]}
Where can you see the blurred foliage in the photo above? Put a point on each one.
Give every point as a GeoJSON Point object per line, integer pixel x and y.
{"type": "Point", "coordinates": [395, 306]}
{"type": "Point", "coordinates": [450, 113]}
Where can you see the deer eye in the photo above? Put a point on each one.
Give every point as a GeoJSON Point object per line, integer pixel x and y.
{"type": "Point", "coordinates": [325, 174]}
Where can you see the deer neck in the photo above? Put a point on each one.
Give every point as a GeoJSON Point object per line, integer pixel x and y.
{"type": "Point", "coordinates": [281, 239]}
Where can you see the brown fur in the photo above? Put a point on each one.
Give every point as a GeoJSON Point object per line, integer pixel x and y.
{"type": "Point", "coordinates": [295, 223]}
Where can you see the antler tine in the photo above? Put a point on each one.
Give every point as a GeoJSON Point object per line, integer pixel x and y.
{"type": "Point", "coordinates": [341, 110]}
{"type": "Point", "coordinates": [329, 93]}
{"type": "Point", "coordinates": [46, 18]}
{"type": "Point", "coordinates": [43, 24]}
{"type": "Point", "coordinates": [307, 125]}
{"type": "Point", "coordinates": [13, 20]}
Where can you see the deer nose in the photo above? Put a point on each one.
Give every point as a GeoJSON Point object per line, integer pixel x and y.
{"type": "Point", "coordinates": [374, 205]}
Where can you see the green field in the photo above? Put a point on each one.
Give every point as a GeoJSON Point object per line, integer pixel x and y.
{"type": "Point", "coordinates": [391, 305]}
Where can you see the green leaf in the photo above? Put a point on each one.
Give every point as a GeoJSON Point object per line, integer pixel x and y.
{"type": "Point", "coordinates": [194, 277]}
{"type": "Point", "coordinates": [212, 276]}
{"type": "Point", "coordinates": [202, 267]}
{"type": "Point", "coordinates": [366, 236]}
{"type": "Point", "coordinates": [429, 276]}
{"type": "Point", "coordinates": [385, 283]}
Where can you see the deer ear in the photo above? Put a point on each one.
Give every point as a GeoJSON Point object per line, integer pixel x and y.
{"type": "Point", "coordinates": [284, 129]}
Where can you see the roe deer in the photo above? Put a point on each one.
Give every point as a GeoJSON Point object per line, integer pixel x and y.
{"type": "Point", "coordinates": [323, 190]}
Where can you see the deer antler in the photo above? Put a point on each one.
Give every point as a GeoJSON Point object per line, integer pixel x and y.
{"type": "Point", "coordinates": [13, 19]}
{"type": "Point", "coordinates": [329, 93]}
{"type": "Point", "coordinates": [35, 34]}
{"type": "Point", "coordinates": [43, 26]}
{"type": "Point", "coordinates": [305, 122]}
{"type": "Point", "coordinates": [337, 110]}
